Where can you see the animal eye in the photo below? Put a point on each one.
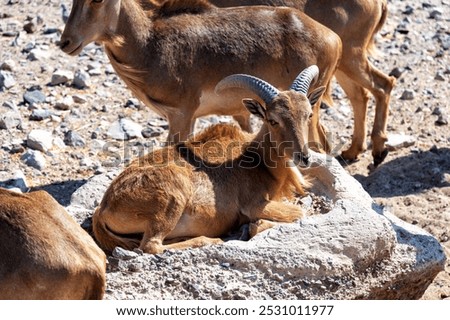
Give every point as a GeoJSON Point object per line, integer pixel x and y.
{"type": "Point", "coordinates": [273, 122]}
{"type": "Point", "coordinates": [97, 1]}
{"type": "Point", "coordinates": [310, 116]}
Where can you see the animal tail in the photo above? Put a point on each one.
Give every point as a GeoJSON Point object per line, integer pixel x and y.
{"type": "Point", "coordinates": [371, 49]}
{"type": "Point", "coordinates": [107, 239]}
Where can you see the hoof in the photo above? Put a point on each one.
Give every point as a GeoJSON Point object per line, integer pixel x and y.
{"type": "Point", "coordinates": [377, 159]}
{"type": "Point", "coordinates": [344, 161]}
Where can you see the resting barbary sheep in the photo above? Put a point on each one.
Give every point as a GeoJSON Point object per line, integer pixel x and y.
{"type": "Point", "coordinates": [192, 193]}
{"type": "Point", "coordinates": [44, 253]}
{"type": "Point", "coordinates": [172, 55]}
{"type": "Point", "coordinates": [356, 22]}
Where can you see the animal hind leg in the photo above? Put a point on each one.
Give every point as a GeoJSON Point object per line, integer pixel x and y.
{"type": "Point", "coordinates": [358, 97]}
{"type": "Point", "coordinates": [361, 71]}
{"type": "Point", "coordinates": [165, 220]}
{"type": "Point", "coordinates": [196, 242]}
{"type": "Point", "coordinates": [276, 211]}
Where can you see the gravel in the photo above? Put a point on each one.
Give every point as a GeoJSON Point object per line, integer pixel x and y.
{"type": "Point", "coordinates": [414, 45]}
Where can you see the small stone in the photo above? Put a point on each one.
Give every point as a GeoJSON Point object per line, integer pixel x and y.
{"type": "Point", "coordinates": [402, 28]}
{"type": "Point", "coordinates": [95, 72]}
{"type": "Point", "coordinates": [397, 72]}
{"type": "Point", "coordinates": [125, 129]}
{"type": "Point", "coordinates": [10, 120]}
{"type": "Point", "coordinates": [8, 65]}
{"type": "Point", "coordinates": [29, 46]}
{"type": "Point", "coordinates": [399, 141]}
{"type": "Point", "coordinates": [40, 140]}
{"type": "Point", "coordinates": [306, 202]}
{"type": "Point", "coordinates": [436, 14]}
{"type": "Point", "coordinates": [439, 76]}
{"type": "Point", "coordinates": [34, 96]}
{"type": "Point", "coordinates": [18, 181]}
{"type": "Point", "coordinates": [86, 162]}
{"type": "Point", "coordinates": [7, 80]}
{"type": "Point", "coordinates": [132, 102]}
{"type": "Point", "coordinates": [441, 121]}
{"type": "Point", "coordinates": [65, 104]}
{"type": "Point", "coordinates": [38, 54]}
{"type": "Point", "coordinates": [40, 114]}
{"type": "Point", "coordinates": [78, 98]}
{"type": "Point", "coordinates": [159, 122]}
{"type": "Point", "coordinates": [51, 30]}
{"type": "Point", "coordinates": [151, 132]}
{"type": "Point", "coordinates": [35, 159]}
{"type": "Point", "coordinates": [59, 143]}
{"type": "Point", "coordinates": [30, 27]}
{"type": "Point", "coordinates": [73, 139]}
{"type": "Point", "coordinates": [62, 77]}
{"type": "Point", "coordinates": [134, 267]}
{"type": "Point", "coordinates": [123, 254]}
{"type": "Point", "coordinates": [445, 43]}
{"type": "Point", "coordinates": [407, 95]}
{"type": "Point", "coordinates": [437, 111]}
{"type": "Point", "coordinates": [93, 65]}
{"type": "Point", "coordinates": [81, 80]}
{"type": "Point", "coordinates": [114, 264]}
{"type": "Point", "coordinates": [408, 10]}
{"type": "Point", "coordinates": [109, 69]}
{"type": "Point", "coordinates": [10, 105]}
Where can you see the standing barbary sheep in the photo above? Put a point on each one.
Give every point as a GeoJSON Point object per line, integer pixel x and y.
{"type": "Point", "coordinates": [44, 253]}
{"type": "Point", "coordinates": [172, 55]}
{"type": "Point", "coordinates": [219, 179]}
{"type": "Point", "coordinates": [356, 22]}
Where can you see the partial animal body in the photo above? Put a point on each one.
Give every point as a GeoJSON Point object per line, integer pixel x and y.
{"type": "Point", "coordinates": [356, 22]}
{"type": "Point", "coordinates": [44, 253]}
{"type": "Point", "coordinates": [199, 190]}
{"type": "Point", "coordinates": [172, 55]}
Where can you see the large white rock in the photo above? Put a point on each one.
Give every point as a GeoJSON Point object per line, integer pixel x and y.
{"type": "Point", "coordinates": [41, 140]}
{"type": "Point", "coordinates": [355, 251]}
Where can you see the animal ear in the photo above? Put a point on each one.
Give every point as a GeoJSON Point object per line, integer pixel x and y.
{"type": "Point", "coordinates": [315, 95]}
{"type": "Point", "coordinates": [254, 107]}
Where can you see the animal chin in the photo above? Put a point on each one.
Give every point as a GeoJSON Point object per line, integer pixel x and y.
{"type": "Point", "coordinates": [75, 51]}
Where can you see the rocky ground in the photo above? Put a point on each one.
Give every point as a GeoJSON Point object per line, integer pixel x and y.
{"type": "Point", "coordinates": [64, 119]}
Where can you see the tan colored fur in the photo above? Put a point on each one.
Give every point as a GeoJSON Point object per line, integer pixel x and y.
{"type": "Point", "coordinates": [172, 55]}
{"type": "Point", "coordinates": [356, 22]}
{"type": "Point", "coordinates": [44, 253]}
{"type": "Point", "coordinates": [192, 193]}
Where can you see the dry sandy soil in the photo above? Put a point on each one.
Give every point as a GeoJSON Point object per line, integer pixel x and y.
{"type": "Point", "coordinates": [414, 181]}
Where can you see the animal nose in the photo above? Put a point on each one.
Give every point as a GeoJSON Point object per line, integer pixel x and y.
{"type": "Point", "coordinates": [64, 43]}
{"type": "Point", "coordinates": [302, 158]}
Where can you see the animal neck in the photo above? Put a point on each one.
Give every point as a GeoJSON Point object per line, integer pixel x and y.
{"type": "Point", "coordinates": [269, 152]}
{"type": "Point", "coordinates": [281, 168]}
{"type": "Point", "coordinates": [133, 31]}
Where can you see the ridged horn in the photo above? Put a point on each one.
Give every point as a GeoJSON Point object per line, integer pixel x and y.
{"type": "Point", "coordinates": [259, 87]}
{"type": "Point", "coordinates": [304, 79]}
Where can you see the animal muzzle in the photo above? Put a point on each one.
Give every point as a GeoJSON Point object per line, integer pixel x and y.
{"type": "Point", "coordinates": [70, 45]}
{"type": "Point", "coordinates": [302, 159]}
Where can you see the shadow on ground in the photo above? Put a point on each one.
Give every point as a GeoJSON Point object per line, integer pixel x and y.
{"type": "Point", "coordinates": [408, 175]}
{"type": "Point", "coordinates": [62, 190]}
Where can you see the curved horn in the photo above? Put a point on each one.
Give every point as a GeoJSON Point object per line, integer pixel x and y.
{"type": "Point", "coordinates": [259, 87]}
{"type": "Point", "coordinates": [303, 81]}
